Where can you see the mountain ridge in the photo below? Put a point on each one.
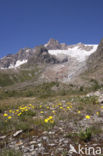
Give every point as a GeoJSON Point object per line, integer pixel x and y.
{"type": "Point", "coordinates": [23, 55]}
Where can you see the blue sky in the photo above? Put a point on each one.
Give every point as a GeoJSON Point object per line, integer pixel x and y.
{"type": "Point", "coordinates": [27, 23]}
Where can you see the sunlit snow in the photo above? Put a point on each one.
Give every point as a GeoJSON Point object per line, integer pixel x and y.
{"type": "Point", "coordinates": [75, 52]}
{"type": "Point", "coordinates": [18, 63]}
{"type": "Point", "coordinates": [27, 50]}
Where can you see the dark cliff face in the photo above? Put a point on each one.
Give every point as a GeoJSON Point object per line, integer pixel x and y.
{"type": "Point", "coordinates": [41, 55]}
{"type": "Point", "coordinates": [96, 59]}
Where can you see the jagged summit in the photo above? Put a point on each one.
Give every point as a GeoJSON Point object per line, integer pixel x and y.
{"type": "Point", "coordinates": [54, 45]}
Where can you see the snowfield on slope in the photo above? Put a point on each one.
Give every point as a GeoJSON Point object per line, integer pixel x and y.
{"type": "Point", "coordinates": [76, 52]}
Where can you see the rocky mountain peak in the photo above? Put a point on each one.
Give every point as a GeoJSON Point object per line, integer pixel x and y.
{"type": "Point", "coordinates": [53, 44]}
{"type": "Point", "coordinates": [53, 41]}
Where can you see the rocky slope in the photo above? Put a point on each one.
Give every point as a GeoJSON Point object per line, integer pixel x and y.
{"type": "Point", "coordinates": [15, 60]}
{"type": "Point", "coordinates": [96, 59]}
{"type": "Point", "coordinates": [39, 54]}
{"type": "Point", "coordinates": [95, 64]}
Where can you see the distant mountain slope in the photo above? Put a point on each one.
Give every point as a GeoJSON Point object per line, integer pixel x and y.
{"type": "Point", "coordinates": [38, 54]}
{"type": "Point", "coordinates": [52, 61]}
{"type": "Point", "coordinates": [15, 60]}
{"type": "Point", "coordinates": [51, 52]}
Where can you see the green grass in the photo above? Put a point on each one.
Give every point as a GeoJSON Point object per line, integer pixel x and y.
{"type": "Point", "coordinates": [85, 135]}
{"type": "Point", "coordinates": [10, 152]}
{"type": "Point", "coordinates": [26, 115]}
{"type": "Point", "coordinates": [10, 77]}
{"type": "Point", "coordinates": [43, 90]}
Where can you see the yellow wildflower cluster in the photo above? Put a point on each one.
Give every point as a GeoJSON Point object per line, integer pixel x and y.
{"type": "Point", "coordinates": [49, 119]}
{"type": "Point", "coordinates": [6, 115]}
{"type": "Point", "coordinates": [67, 106]}
{"type": "Point", "coordinates": [52, 108]}
{"type": "Point", "coordinates": [18, 111]}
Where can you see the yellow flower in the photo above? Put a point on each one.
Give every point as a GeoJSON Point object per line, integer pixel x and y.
{"type": "Point", "coordinates": [68, 107]}
{"type": "Point", "coordinates": [79, 112]}
{"type": "Point", "coordinates": [97, 113]}
{"type": "Point", "coordinates": [52, 121]}
{"type": "Point", "coordinates": [47, 107]}
{"type": "Point", "coordinates": [59, 104]}
{"type": "Point", "coordinates": [46, 120]}
{"type": "Point", "coordinates": [5, 114]}
{"type": "Point", "coordinates": [50, 117]}
{"type": "Point", "coordinates": [87, 117]}
{"type": "Point", "coordinates": [53, 111]}
{"type": "Point", "coordinates": [10, 111]}
{"type": "Point", "coordinates": [61, 107]}
{"type": "Point", "coordinates": [102, 107]}
{"type": "Point", "coordinates": [19, 114]}
{"type": "Point", "coordinates": [9, 117]}
{"type": "Point", "coordinates": [41, 112]}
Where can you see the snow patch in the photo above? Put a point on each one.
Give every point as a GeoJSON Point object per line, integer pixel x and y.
{"type": "Point", "coordinates": [45, 45]}
{"type": "Point", "coordinates": [18, 63]}
{"type": "Point", "coordinates": [27, 50]}
{"type": "Point", "coordinates": [2, 68]}
{"type": "Point", "coordinates": [11, 66]}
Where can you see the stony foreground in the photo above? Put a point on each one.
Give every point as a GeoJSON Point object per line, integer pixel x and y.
{"type": "Point", "coordinates": [48, 127]}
